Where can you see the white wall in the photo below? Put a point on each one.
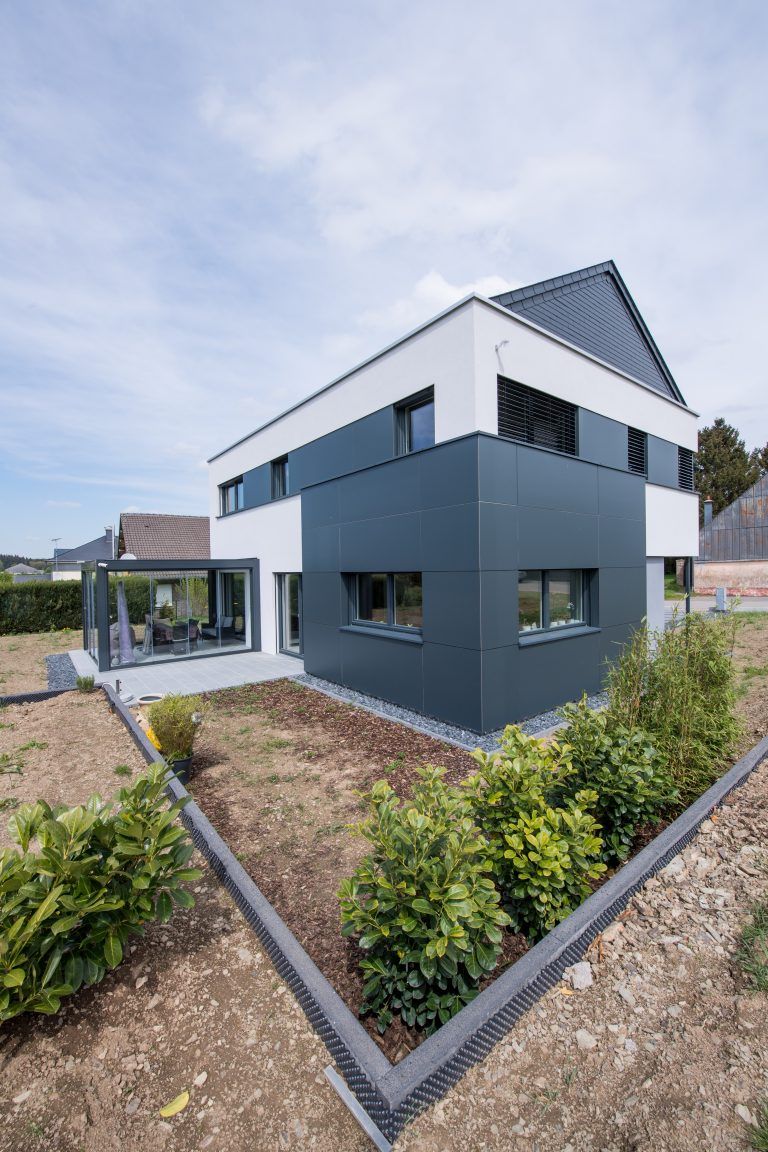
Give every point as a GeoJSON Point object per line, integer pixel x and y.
{"type": "Point", "coordinates": [441, 356]}
{"type": "Point", "coordinates": [534, 358]}
{"type": "Point", "coordinates": [66, 575]}
{"type": "Point", "coordinates": [654, 610]}
{"type": "Point", "coordinates": [273, 534]}
{"type": "Point", "coordinates": [671, 522]}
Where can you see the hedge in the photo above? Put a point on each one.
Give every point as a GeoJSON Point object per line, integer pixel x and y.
{"type": "Point", "coordinates": [41, 606]}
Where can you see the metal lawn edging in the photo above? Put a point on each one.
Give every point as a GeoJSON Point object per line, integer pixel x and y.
{"type": "Point", "coordinates": [33, 697]}
{"type": "Point", "coordinates": [392, 1095]}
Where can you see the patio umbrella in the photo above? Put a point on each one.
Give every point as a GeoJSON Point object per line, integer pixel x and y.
{"type": "Point", "coordinates": [124, 626]}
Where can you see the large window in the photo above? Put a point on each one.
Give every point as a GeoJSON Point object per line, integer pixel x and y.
{"type": "Point", "coordinates": [535, 417]}
{"type": "Point", "coordinates": [553, 599]}
{"type": "Point", "coordinates": [289, 612]}
{"type": "Point", "coordinates": [388, 599]}
{"type": "Point", "coordinates": [416, 423]}
{"type": "Point", "coordinates": [231, 496]}
{"type": "Point", "coordinates": [279, 478]}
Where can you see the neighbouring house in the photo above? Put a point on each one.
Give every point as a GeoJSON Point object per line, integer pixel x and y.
{"type": "Point", "coordinates": [160, 536]}
{"type": "Point", "coordinates": [733, 546]}
{"type": "Point", "coordinates": [68, 562]}
{"type": "Point", "coordinates": [24, 573]}
{"type": "Point", "coordinates": [472, 521]}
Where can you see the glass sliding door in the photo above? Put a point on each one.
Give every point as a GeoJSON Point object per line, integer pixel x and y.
{"type": "Point", "coordinates": [289, 612]}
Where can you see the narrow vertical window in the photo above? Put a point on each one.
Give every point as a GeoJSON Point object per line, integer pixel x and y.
{"type": "Point", "coordinates": [416, 423]}
{"type": "Point", "coordinates": [279, 478]}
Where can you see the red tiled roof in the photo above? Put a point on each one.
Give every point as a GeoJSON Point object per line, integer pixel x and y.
{"type": "Point", "coordinates": [159, 536]}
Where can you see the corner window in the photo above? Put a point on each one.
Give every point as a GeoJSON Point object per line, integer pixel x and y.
{"type": "Point", "coordinates": [416, 423]}
{"type": "Point", "coordinates": [550, 600]}
{"type": "Point", "coordinates": [388, 599]}
{"type": "Point", "coordinates": [536, 418]}
{"type": "Point", "coordinates": [231, 496]}
{"type": "Point", "coordinates": [637, 451]}
{"type": "Point", "coordinates": [279, 478]}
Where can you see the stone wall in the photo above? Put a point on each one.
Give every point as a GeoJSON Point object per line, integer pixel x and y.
{"type": "Point", "coordinates": [740, 577]}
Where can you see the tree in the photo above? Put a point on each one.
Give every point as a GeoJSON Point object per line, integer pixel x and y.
{"type": "Point", "coordinates": [723, 468]}
{"type": "Point", "coordinates": [760, 456]}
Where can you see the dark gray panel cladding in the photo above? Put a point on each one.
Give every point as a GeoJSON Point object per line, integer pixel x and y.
{"type": "Point", "coordinates": [662, 462]}
{"type": "Point", "coordinates": [388, 490]}
{"type": "Point", "coordinates": [322, 647]}
{"type": "Point", "coordinates": [452, 685]}
{"type": "Point", "coordinates": [548, 480]}
{"type": "Point", "coordinates": [450, 538]}
{"type": "Point", "coordinates": [388, 668]}
{"type": "Point", "coordinates": [324, 599]}
{"type": "Point", "coordinates": [602, 440]}
{"type": "Point", "coordinates": [549, 539]}
{"type": "Point", "coordinates": [498, 608]}
{"type": "Point", "coordinates": [621, 494]}
{"type": "Point", "coordinates": [320, 549]}
{"type": "Point", "coordinates": [386, 544]}
{"type": "Point", "coordinates": [551, 674]}
{"type": "Point", "coordinates": [621, 595]}
{"type": "Point", "coordinates": [320, 506]}
{"type": "Point", "coordinates": [622, 543]}
{"type": "Point", "coordinates": [497, 470]}
{"type": "Point", "coordinates": [452, 608]}
{"type": "Point", "coordinates": [256, 486]}
{"type": "Point", "coordinates": [360, 444]}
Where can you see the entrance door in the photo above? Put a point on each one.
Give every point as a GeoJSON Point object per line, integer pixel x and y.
{"type": "Point", "coordinates": [289, 612]}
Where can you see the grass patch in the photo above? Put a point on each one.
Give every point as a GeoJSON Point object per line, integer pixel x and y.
{"type": "Point", "coordinates": [122, 770]}
{"type": "Point", "coordinates": [759, 1136]}
{"type": "Point", "coordinates": [753, 947]}
{"type": "Point", "coordinates": [274, 744]}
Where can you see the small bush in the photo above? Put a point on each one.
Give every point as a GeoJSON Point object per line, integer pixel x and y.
{"type": "Point", "coordinates": [425, 912]}
{"type": "Point", "coordinates": [85, 683]}
{"type": "Point", "coordinates": [102, 871]}
{"type": "Point", "coordinates": [543, 854]}
{"type": "Point", "coordinates": [41, 606]}
{"type": "Point", "coordinates": [628, 775]}
{"type": "Point", "coordinates": [174, 722]}
{"type": "Point", "coordinates": [678, 685]}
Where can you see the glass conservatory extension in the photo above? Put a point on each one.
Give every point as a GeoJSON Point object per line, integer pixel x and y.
{"type": "Point", "coordinates": [141, 611]}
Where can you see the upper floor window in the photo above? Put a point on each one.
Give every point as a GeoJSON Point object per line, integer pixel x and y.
{"type": "Point", "coordinates": [685, 469]}
{"type": "Point", "coordinates": [551, 599]}
{"type": "Point", "coordinates": [231, 496]}
{"type": "Point", "coordinates": [416, 423]}
{"type": "Point", "coordinates": [392, 599]}
{"type": "Point", "coordinates": [535, 417]}
{"type": "Point", "coordinates": [279, 478]}
{"type": "Point", "coordinates": [637, 451]}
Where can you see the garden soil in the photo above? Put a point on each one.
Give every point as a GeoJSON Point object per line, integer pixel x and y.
{"type": "Point", "coordinates": [22, 659]}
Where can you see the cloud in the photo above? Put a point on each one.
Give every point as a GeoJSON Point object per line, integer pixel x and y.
{"type": "Point", "coordinates": [431, 294]}
{"type": "Point", "coordinates": [63, 504]}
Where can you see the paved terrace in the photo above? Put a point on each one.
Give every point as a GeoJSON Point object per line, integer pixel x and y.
{"type": "Point", "coordinates": [188, 677]}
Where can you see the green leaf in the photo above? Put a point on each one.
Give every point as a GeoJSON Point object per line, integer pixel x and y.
{"type": "Point", "coordinates": [14, 978]}
{"type": "Point", "coordinates": [113, 951]}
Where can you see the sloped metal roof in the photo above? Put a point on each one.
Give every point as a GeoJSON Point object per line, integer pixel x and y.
{"type": "Point", "coordinates": [592, 308]}
{"type": "Point", "coordinates": [740, 531]}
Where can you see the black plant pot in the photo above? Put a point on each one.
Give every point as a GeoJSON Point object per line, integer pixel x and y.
{"type": "Point", "coordinates": [181, 769]}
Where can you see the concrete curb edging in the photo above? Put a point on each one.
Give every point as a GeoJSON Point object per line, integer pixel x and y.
{"type": "Point", "coordinates": [392, 1095]}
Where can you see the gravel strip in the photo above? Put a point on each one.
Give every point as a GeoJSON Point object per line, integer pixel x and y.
{"type": "Point", "coordinates": [463, 737]}
{"type": "Point", "coordinates": [61, 671]}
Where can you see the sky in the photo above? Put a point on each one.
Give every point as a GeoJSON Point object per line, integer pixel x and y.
{"type": "Point", "coordinates": [208, 211]}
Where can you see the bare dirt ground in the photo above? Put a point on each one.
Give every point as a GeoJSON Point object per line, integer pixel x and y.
{"type": "Point", "coordinates": [656, 1056]}
{"type": "Point", "coordinates": [22, 659]}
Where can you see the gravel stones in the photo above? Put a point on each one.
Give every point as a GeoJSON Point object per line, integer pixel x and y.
{"type": "Point", "coordinates": [61, 671]}
{"type": "Point", "coordinates": [585, 1041]}
{"type": "Point", "coordinates": [580, 976]}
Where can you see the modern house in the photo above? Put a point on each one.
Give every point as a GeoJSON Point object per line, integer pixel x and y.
{"type": "Point", "coordinates": [25, 573]}
{"type": "Point", "coordinates": [68, 562]}
{"type": "Point", "coordinates": [733, 546]}
{"type": "Point", "coordinates": [472, 521]}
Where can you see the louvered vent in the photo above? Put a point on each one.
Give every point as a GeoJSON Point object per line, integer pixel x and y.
{"type": "Point", "coordinates": [637, 451]}
{"type": "Point", "coordinates": [525, 414]}
{"type": "Point", "coordinates": [685, 469]}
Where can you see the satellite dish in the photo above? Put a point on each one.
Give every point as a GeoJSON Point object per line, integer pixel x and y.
{"type": "Point", "coordinates": [128, 556]}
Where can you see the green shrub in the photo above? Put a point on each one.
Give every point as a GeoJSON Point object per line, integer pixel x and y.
{"type": "Point", "coordinates": [678, 685]}
{"type": "Point", "coordinates": [543, 854]}
{"type": "Point", "coordinates": [425, 912]}
{"type": "Point", "coordinates": [753, 947]}
{"type": "Point", "coordinates": [175, 721]}
{"type": "Point", "coordinates": [41, 606]}
{"type": "Point", "coordinates": [85, 683]}
{"type": "Point", "coordinates": [628, 775]}
{"type": "Point", "coordinates": [102, 871]}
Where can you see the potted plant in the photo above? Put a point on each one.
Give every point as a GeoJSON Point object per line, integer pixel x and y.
{"type": "Point", "coordinates": [175, 722]}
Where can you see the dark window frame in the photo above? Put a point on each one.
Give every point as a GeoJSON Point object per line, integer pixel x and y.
{"type": "Point", "coordinates": [522, 413]}
{"type": "Point", "coordinates": [278, 478]}
{"type": "Point", "coordinates": [403, 410]}
{"type": "Point", "coordinates": [637, 451]}
{"type": "Point", "coordinates": [390, 624]}
{"type": "Point", "coordinates": [588, 604]}
{"type": "Point", "coordinates": [235, 485]}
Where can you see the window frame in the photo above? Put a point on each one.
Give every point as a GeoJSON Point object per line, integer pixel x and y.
{"type": "Point", "coordinates": [403, 410]}
{"type": "Point", "coordinates": [235, 485]}
{"type": "Point", "coordinates": [547, 629]}
{"type": "Point", "coordinates": [390, 624]}
{"type": "Point", "coordinates": [278, 478]}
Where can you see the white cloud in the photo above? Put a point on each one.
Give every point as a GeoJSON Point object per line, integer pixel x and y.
{"type": "Point", "coordinates": [431, 294]}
